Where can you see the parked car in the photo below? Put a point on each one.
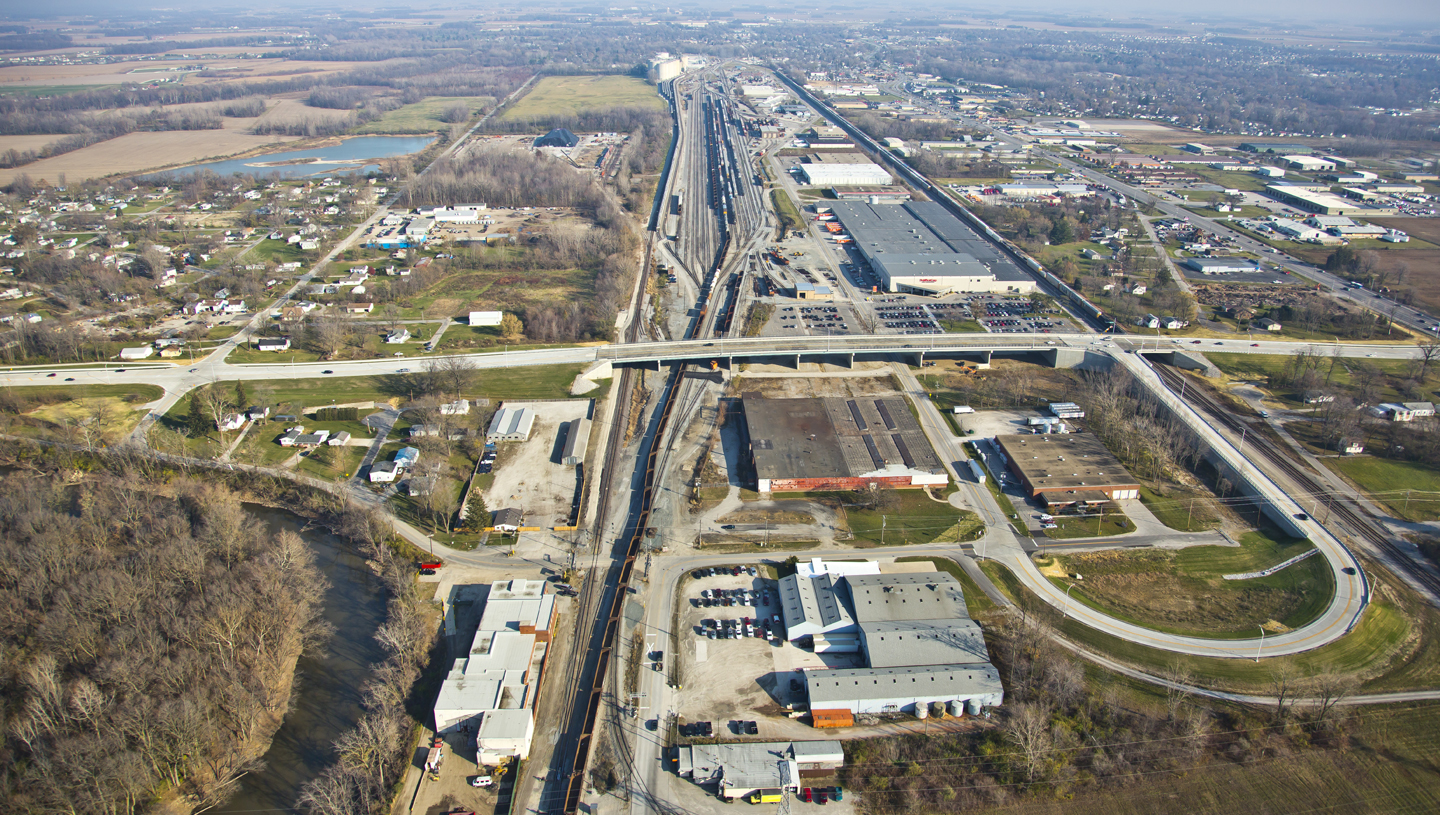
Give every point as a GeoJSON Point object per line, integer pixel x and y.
{"type": "Point", "coordinates": [482, 781]}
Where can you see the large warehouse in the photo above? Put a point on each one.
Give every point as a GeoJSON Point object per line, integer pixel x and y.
{"type": "Point", "coordinates": [920, 248]}
{"type": "Point", "coordinates": [844, 170]}
{"type": "Point", "coordinates": [1323, 203]}
{"type": "Point", "coordinates": [1067, 468]}
{"type": "Point", "coordinates": [920, 645]}
{"type": "Point", "coordinates": [838, 444]}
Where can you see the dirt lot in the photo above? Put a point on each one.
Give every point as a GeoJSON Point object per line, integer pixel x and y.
{"type": "Point", "coordinates": [529, 475]}
{"type": "Point", "coordinates": [816, 380]}
{"type": "Point", "coordinates": [120, 73]}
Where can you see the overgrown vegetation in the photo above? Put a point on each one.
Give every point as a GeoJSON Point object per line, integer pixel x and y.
{"type": "Point", "coordinates": [149, 641]}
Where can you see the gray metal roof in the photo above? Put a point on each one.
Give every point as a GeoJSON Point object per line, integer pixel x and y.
{"type": "Point", "coordinates": [927, 642]}
{"type": "Point", "coordinates": [884, 598]}
{"type": "Point", "coordinates": [813, 600]}
{"type": "Point", "coordinates": [842, 686]}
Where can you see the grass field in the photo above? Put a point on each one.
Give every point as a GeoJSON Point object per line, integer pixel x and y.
{"type": "Point", "coordinates": [1187, 511]}
{"type": "Point", "coordinates": [1110, 524]}
{"type": "Point", "coordinates": [424, 116]}
{"type": "Point", "coordinates": [911, 517]}
{"type": "Point", "coordinates": [1264, 367]}
{"type": "Point", "coordinates": [1410, 490]}
{"type": "Point", "coordinates": [539, 382]}
{"type": "Point", "coordinates": [961, 326]}
{"type": "Point", "coordinates": [784, 207]}
{"type": "Point", "coordinates": [278, 251]}
{"type": "Point", "coordinates": [1394, 647]}
{"type": "Point", "coordinates": [1183, 592]}
{"type": "Point", "coordinates": [566, 96]}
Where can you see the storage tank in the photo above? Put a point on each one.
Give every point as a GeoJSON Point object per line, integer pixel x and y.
{"type": "Point", "coordinates": [922, 710]}
{"type": "Point", "coordinates": [957, 707]}
{"type": "Point", "coordinates": [972, 706]}
{"type": "Point", "coordinates": [937, 709]}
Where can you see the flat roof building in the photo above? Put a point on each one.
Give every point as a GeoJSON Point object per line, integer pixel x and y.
{"type": "Point", "coordinates": [901, 689]}
{"type": "Point", "coordinates": [846, 174]}
{"type": "Point", "coordinates": [920, 247]}
{"type": "Point", "coordinates": [490, 690]}
{"type": "Point", "coordinates": [1324, 203]}
{"type": "Point", "coordinates": [838, 444]}
{"type": "Point", "coordinates": [1221, 265]}
{"type": "Point", "coordinates": [1067, 468]}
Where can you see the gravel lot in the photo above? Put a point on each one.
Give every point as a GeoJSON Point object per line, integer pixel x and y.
{"type": "Point", "coordinates": [529, 475]}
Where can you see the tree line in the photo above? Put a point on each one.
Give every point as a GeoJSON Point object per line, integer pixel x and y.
{"type": "Point", "coordinates": [150, 637]}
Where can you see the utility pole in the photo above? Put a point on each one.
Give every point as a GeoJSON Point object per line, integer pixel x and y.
{"type": "Point", "coordinates": [882, 530]}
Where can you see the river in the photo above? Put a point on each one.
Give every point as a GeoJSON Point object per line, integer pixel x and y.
{"type": "Point", "coordinates": [350, 155]}
{"type": "Point", "coordinates": [328, 679]}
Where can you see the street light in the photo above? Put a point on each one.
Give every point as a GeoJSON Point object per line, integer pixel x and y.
{"type": "Point", "coordinates": [1261, 646]}
{"type": "Point", "coordinates": [1067, 602]}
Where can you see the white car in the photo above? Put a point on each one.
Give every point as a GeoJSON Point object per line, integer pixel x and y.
{"type": "Point", "coordinates": [482, 781]}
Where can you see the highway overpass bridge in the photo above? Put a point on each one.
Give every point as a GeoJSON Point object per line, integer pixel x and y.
{"type": "Point", "coordinates": [1055, 350]}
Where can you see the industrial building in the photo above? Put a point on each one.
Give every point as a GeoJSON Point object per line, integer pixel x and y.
{"type": "Point", "coordinates": [844, 170]}
{"type": "Point", "coordinates": [577, 438]}
{"type": "Point", "coordinates": [919, 644]}
{"type": "Point", "coordinates": [559, 137]}
{"type": "Point", "coordinates": [491, 689]}
{"type": "Point", "coordinates": [511, 424]}
{"type": "Point", "coordinates": [1221, 265]}
{"type": "Point", "coordinates": [838, 444]}
{"type": "Point", "coordinates": [920, 248]}
{"type": "Point", "coordinates": [738, 769]}
{"type": "Point", "coordinates": [1068, 468]}
{"type": "Point", "coordinates": [1324, 203]}
{"type": "Point", "coordinates": [486, 317]}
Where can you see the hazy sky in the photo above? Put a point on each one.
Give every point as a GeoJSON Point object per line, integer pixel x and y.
{"type": "Point", "coordinates": [1320, 15]}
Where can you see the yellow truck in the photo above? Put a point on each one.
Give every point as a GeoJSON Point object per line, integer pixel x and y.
{"type": "Point", "coordinates": [765, 796]}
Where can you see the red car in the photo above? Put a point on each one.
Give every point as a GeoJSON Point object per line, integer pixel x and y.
{"type": "Point", "coordinates": [805, 795]}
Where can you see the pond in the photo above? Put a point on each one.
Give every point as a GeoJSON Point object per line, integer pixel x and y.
{"type": "Point", "coordinates": [328, 678]}
{"type": "Point", "coordinates": [349, 156]}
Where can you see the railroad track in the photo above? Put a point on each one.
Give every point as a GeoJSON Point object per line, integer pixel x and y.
{"type": "Point", "coordinates": [1359, 522]}
{"type": "Point", "coordinates": [607, 599]}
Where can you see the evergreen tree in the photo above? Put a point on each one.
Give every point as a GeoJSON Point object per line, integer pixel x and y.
{"type": "Point", "coordinates": [240, 401]}
{"type": "Point", "coordinates": [196, 422]}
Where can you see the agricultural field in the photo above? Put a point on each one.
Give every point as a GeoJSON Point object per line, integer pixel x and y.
{"type": "Point", "coordinates": [566, 96]}
{"type": "Point", "coordinates": [140, 151]}
{"type": "Point", "coordinates": [424, 116]}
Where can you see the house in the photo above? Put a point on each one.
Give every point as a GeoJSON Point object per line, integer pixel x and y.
{"type": "Point", "coordinates": [1148, 321]}
{"type": "Point", "coordinates": [1394, 412]}
{"type": "Point", "coordinates": [273, 344]}
{"type": "Point", "coordinates": [1351, 447]}
{"type": "Point", "coordinates": [231, 421]}
{"type": "Point", "coordinates": [291, 434]}
{"type": "Point", "coordinates": [397, 336]}
{"type": "Point", "coordinates": [1171, 322]}
{"type": "Point", "coordinates": [1420, 409]}
{"type": "Point", "coordinates": [257, 413]}
{"type": "Point", "coordinates": [383, 471]}
{"type": "Point", "coordinates": [459, 407]}
{"type": "Point", "coordinates": [507, 520]}
{"type": "Point", "coordinates": [420, 485]}
{"type": "Point", "coordinates": [308, 440]}
{"type": "Point", "coordinates": [339, 439]}
{"type": "Point", "coordinates": [1138, 290]}
{"type": "Point", "coordinates": [359, 308]}
{"type": "Point", "coordinates": [142, 352]}
{"type": "Point", "coordinates": [420, 430]}
{"type": "Point", "coordinates": [232, 307]}
{"type": "Point", "coordinates": [1268, 324]}
{"type": "Point", "coordinates": [407, 457]}
{"type": "Point", "coordinates": [170, 353]}
{"type": "Point", "coordinates": [1318, 397]}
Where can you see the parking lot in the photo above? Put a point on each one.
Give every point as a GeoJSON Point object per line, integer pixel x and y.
{"type": "Point", "coordinates": [738, 670]}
